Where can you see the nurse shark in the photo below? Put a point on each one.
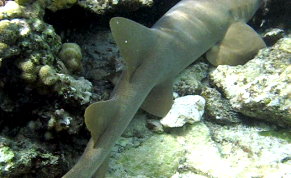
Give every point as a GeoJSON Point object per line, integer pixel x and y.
{"type": "Point", "coordinates": [154, 56]}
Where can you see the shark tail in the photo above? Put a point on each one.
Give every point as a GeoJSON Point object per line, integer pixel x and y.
{"type": "Point", "coordinates": [97, 118]}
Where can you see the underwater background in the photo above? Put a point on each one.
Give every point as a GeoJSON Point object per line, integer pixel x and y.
{"type": "Point", "coordinates": [57, 57]}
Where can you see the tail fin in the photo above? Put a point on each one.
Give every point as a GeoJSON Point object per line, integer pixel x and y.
{"type": "Point", "coordinates": [133, 40]}
{"type": "Point", "coordinates": [98, 115]}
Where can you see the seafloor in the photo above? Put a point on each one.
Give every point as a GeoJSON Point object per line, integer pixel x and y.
{"type": "Point", "coordinates": [57, 57]}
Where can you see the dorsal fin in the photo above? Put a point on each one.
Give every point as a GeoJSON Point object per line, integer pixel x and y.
{"type": "Point", "coordinates": [133, 40]}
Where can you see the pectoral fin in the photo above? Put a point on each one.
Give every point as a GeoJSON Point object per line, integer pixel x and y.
{"type": "Point", "coordinates": [98, 115]}
{"type": "Point", "coordinates": [160, 99]}
{"type": "Point", "coordinates": [239, 45]}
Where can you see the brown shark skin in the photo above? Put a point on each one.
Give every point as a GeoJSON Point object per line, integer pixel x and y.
{"type": "Point", "coordinates": [186, 31]}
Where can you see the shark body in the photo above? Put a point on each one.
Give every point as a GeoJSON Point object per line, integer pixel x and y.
{"type": "Point", "coordinates": [154, 56]}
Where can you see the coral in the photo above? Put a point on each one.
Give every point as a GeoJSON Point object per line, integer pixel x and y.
{"type": "Point", "coordinates": [29, 71]}
{"type": "Point", "coordinates": [71, 55]}
{"type": "Point", "coordinates": [73, 90]}
{"type": "Point", "coordinates": [6, 158]}
{"type": "Point", "coordinates": [61, 120]}
{"type": "Point", "coordinates": [56, 5]}
{"type": "Point", "coordinates": [260, 88]}
{"type": "Point", "coordinates": [33, 46]}
{"type": "Point", "coordinates": [101, 7]}
{"type": "Point", "coordinates": [36, 41]}
{"type": "Point", "coordinates": [10, 10]}
{"type": "Point", "coordinates": [48, 75]}
{"type": "Point", "coordinates": [34, 86]}
{"type": "Point", "coordinates": [10, 29]}
{"type": "Point", "coordinates": [13, 10]}
{"type": "Point", "coordinates": [17, 159]}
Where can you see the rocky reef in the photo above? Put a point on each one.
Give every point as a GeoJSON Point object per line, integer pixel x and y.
{"type": "Point", "coordinates": [103, 6]}
{"type": "Point", "coordinates": [203, 149]}
{"type": "Point", "coordinates": [260, 88]}
{"type": "Point", "coordinates": [38, 88]}
{"type": "Point", "coordinates": [29, 58]}
{"type": "Point", "coordinates": [224, 143]}
{"type": "Point", "coordinates": [48, 75]}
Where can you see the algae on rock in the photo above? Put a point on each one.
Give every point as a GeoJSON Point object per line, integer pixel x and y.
{"type": "Point", "coordinates": [19, 158]}
{"type": "Point", "coordinates": [203, 149]}
{"type": "Point", "coordinates": [260, 88]}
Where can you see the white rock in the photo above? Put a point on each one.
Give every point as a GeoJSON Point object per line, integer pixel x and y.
{"type": "Point", "coordinates": [186, 109]}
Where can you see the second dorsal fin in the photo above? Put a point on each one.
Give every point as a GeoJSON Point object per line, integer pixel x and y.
{"type": "Point", "coordinates": [98, 116]}
{"type": "Point", "coordinates": [133, 40]}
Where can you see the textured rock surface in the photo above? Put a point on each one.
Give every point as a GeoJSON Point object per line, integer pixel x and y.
{"type": "Point", "coordinates": [103, 6]}
{"type": "Point", "coordinates": [189, 81]}
{"type": "Point", "coordinates": [261, 88]}
{"type": "Point", "coordinates": [201, 150]}
{"type": "Point", "coordinates": [271, 36]}
{"type": "Point", "coordinates": [21, 158]}
{"type": "Point", "coordinates": [217, 108]}
{"type": "Point", "coordinates": [186, 109]}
